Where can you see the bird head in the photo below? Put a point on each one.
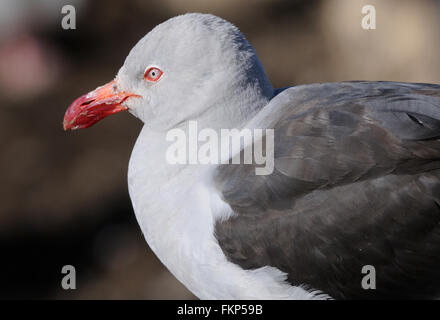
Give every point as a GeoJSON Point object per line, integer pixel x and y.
{"type": "Point", "coordinates": [183, 67]}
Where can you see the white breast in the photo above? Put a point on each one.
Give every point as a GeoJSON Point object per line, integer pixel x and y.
{"type": "Point", "coordinates": [176, 209]}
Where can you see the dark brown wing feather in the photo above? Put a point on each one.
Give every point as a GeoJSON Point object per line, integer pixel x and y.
{"type": "Point", "coordinates": [356, 182]}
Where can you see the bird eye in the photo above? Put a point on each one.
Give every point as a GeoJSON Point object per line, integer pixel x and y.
{"type": "Point", "coordinates": [153, 74]}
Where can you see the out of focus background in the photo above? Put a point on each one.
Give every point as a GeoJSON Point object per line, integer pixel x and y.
{"type": "Point", "coordinates": [63, 195]}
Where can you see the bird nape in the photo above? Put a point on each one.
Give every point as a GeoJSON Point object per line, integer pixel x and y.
{"type": "Point", "coordinates": [355, 181]}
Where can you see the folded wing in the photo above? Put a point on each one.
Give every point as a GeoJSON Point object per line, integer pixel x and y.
{"type": "Point", "coordinates": [356, 182]}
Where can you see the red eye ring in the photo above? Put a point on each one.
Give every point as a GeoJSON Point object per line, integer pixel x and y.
{"type": "Point", "coordinates": [153, 74]}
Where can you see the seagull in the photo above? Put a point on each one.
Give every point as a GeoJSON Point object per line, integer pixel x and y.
{"type": "Point", "coordinates": [355, 181]}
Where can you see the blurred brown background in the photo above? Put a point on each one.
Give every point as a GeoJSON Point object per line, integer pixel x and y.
{"type": "Point", "coordinates": [63, 195]}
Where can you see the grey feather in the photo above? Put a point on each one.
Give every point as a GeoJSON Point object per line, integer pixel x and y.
{"type": "Point", "coordinates": [356, 182]}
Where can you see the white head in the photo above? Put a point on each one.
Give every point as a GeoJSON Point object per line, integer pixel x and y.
{"type": "Point", "coordinates": [189, 67]}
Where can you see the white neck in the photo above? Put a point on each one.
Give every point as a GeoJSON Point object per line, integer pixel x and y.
{"type": "Point", "coordinates": [177, 207]}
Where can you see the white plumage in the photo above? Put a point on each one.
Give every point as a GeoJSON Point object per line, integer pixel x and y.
{"type": "Point", "coordinates": [211, 75]}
